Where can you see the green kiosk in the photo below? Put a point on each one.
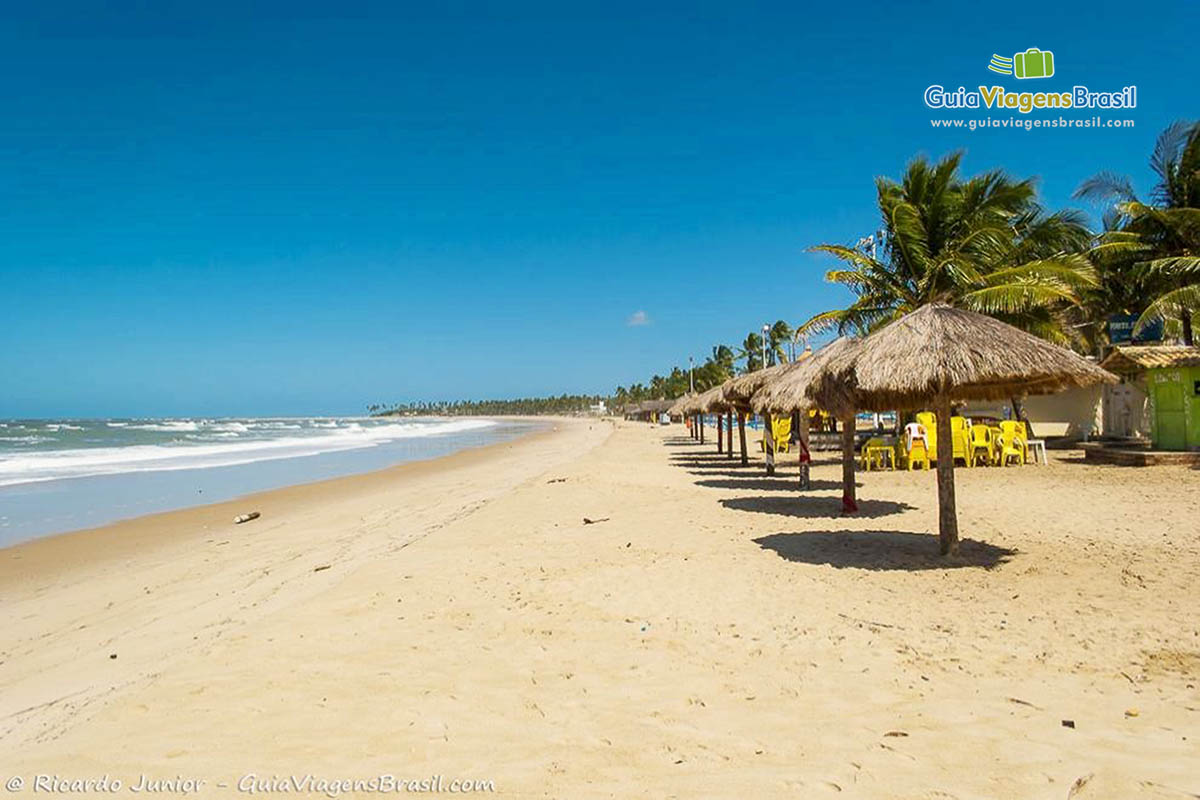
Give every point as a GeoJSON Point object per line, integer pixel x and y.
{"type": "Point", "coordinates": [1172, 382]}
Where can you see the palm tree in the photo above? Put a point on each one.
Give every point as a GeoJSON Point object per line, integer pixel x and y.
{"type": "Point", "coordinates": [722, 355]}
{"type": "Point", "coordinates": [1160, 238]}
{"type": "Point", "coordinates": [751, 352]}
{"type": "Point", "coordinates": [981, 243]}
{"type": "Point", "coordinates": [779, 335]}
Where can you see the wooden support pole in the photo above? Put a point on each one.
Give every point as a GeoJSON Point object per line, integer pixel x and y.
{"type": "Point", "coordinates": [768, 442]}
{"type": "Point", "coordinates": [849, 494]}
{"type": "Point", "coordinates": [742, 435]}
{"type": "Point", "coordinates": [947, 511]}
{"type": "Point", "coordinates": [700, 416]}
{"type": "Point", "coordinates": [729, 427]}
{"type": "Point", "coordinates": [719, 438]}
{"type": "Point", "coordinates": [805, 455]}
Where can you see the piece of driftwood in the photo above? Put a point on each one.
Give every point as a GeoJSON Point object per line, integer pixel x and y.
{"type": "Point", "coordinates": [587, 521]}
{"type": "Point", "coordinates": [240, 518]}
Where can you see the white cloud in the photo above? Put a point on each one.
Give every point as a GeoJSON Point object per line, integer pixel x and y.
{"type": "Point", "coordinates": [637, 319]}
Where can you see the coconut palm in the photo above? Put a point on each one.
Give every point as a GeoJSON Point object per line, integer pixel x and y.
{"type": "Point", "coordinates": [778, 336]}
{"type": "Point", "coordinates": [722, 355]}
{"type": "Point", "coordinates": [981, 243]}
{"type": "Point", "coordinates": [751, 352]}
{"type": "Point", "coordinates": [1160, 238]}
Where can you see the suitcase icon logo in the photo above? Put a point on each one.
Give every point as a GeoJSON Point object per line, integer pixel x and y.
{"type": "Point", "coordinates": [1033, 63]}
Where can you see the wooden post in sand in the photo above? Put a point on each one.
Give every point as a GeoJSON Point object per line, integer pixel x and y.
{"type": "Point", "coordinates": [742, 435]}
{"type": "Point", "coordinates": [768, 442]}
{"type": "Point", "coordinates": [719, 426]}
{"type": "Point", "coordinates": [729, 428]}
{"type": "Point", "coordinates": [805, 455]}
{"type": "Point", "coordinates": [700, 417]}
{"type": "Point", "coordinates": [849, 500]}
{"type": "Point", "coordinates": [947, 512]}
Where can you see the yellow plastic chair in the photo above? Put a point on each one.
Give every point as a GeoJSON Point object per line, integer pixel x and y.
{"type": "Point", "coordinates": [982, 444]}
{"type": "Point", "coordinates": [1014, 434]}
{"type": "Point", "coordinates": [918, 449]}
{"type": "Point", "coordinates": [783, 434]}
{"type": "Point", "coordinates": [1010, 450]}
{"type": "Point", "coordinates": [929, 420]}
{"type": "Point", "coordinates": [960, 434]}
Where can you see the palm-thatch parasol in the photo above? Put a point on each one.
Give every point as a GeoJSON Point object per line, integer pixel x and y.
{"type": "Point", "coordinates": [939, 354]}
{"type": "Point", "coordinates": [797, 389]}
{"type": "Point", "coordinates": [680, 407]}
{"type": "Point", "coordinates": [711, 402]}
{"type": "Point", "coordinates": [738, 391]}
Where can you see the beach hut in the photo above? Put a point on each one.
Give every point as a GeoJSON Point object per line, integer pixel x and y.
{"type": "Point", "coordinates": [796, 389]}
{"type": "Point", "coordinates": [737, 393]}
{"type": "Point", "coordinates": [938, 355]}
{"type": "Point", "coordinates": [1171, 376]}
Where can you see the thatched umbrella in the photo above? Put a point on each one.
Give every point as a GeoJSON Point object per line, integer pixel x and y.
{"type": "Point", "coordinates": [738, 391]}
{"type": "Point", "coordinates": [711, 402]}
{"type": "Point", "coordinates": [938, 355]}
{"type": "Point", "coordinates": [796, 389]}
{"type": "Point", "coordinates": [683, 407]}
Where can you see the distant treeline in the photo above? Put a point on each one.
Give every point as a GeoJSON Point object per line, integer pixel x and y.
{"type": "Point", "coordinates": [526, 406]}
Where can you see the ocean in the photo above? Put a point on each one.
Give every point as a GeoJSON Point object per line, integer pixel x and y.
{"type": "Point", "coordinates": [65, 474]}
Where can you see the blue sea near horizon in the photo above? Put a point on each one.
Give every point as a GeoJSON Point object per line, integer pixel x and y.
{"type": "Point", "coordinates": [60, 475]}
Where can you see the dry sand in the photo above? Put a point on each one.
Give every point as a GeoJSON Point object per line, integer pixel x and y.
{"type": "Point", "coordinates": [719, 635]}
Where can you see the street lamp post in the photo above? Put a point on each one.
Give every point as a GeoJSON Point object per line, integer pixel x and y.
{"type": "Point", "coordinates": [691, 375]}
{"type": "Point", "coordinates": [766, 330]}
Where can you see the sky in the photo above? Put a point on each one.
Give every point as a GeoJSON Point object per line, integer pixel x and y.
{"type": "Point", "coordinates": [301, 208]}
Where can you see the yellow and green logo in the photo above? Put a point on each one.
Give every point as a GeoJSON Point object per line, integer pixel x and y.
{"type": "Point", "coordinates": [1033, 63]}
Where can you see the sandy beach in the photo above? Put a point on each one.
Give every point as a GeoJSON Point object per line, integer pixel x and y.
{"type": "Point", "coordinates": [715, 633]}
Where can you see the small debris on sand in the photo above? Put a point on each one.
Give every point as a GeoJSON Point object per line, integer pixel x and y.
{"type": "Point", "coordinates": [240, 518]}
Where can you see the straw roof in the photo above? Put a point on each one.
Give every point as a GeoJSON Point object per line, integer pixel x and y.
{"type": "Point", "coordinates": [1141, 357]}
{"type": "Point", "coordinates": [711, 401]}
{"type": "Point", "coordinates": [681, 405]}
{"type": "Point", "coordinates": [738, 391]}
{"type": "Point", "coordinates": [938, 349]}
{"type": "Point", "coordinates": [794, 389]}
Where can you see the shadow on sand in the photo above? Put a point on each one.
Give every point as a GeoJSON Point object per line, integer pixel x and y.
{"type": "Point", "coordinates": [813, 507]}
{"type": "Point", "coordinates": [881, 550]}
{"type": "Point", "coordinates": [763, 484]}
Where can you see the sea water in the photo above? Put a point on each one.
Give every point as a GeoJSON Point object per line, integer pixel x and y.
{"type": "Point", "coordinates": [65, 474]}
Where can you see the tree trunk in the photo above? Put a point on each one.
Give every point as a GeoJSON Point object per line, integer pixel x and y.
{"type": "Point", "coordinates": [947, 512]}
{"type": "Point", "coordinates": [729, 428]}
{"type": "Point", "coordinates": [720, 438]}
{"type": "Point", "coordinates": [1019, 415]}
{"type": "Point", "coordinates": [701, 418]}
{"type": "Point", "coordinates": [768, 443]}
{"type": "Point", "coordinates": [849, 495]}
{"type": "Point", "coordinates": [1185, 321]}
{"type": "Point", "coordinates": [742, 435]}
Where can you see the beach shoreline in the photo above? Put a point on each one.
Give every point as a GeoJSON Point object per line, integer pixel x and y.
{"type": "Point", "coordinates": [613, 610]}
{"type": "Point", "coordinates": [92, 473]}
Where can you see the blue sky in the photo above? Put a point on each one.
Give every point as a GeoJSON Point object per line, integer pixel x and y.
{"type": "Point", "coordinates": [256, 208]}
